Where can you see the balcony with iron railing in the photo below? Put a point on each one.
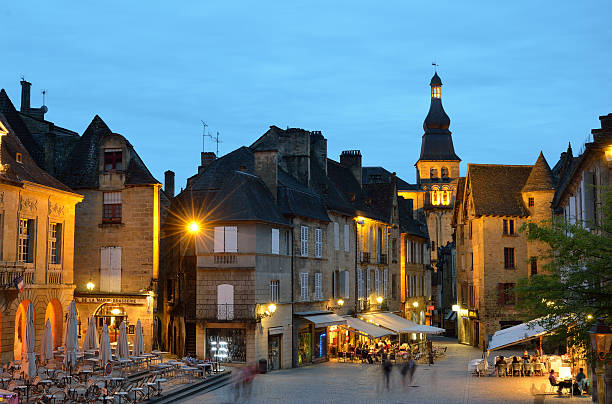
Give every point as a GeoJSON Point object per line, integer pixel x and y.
{"type": "Point", "coordinates": [9, 271]}
{"type": "Point", "coordinates": [226, 260]}
{"type": "Point", "coordinates": [226, 312]}
{"type": "Point", "coordinates": [54, 275]}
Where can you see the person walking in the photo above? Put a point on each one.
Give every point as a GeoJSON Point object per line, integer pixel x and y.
{"type": "Point", "coordinates": [387, 366]}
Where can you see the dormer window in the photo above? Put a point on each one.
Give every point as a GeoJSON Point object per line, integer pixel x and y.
{"type": "Point", "coordinates": [18, 157]}
{"type": "Point", "coordinates": [436, 92]}
{"type": "Point", "coordinates": [113, 160]}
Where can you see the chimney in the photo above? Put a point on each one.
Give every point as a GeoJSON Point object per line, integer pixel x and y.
{"type": "Point", "coordinates": [169, 183]}
{"type": "Point", "coordinates": [318, 149]}
{"type": "Point", "coordinates": [351, 159]}
{"type": "Point", "coordinates": [266, 168]}
{"type": "Point", "coordinates": [207, 159]}
{"type": "Point", "coordinates": [25, 96]}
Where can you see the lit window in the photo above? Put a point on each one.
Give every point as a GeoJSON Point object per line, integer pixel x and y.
{"type": "Point", "coordinates": [18, 157]}
{"type": "Point", "coordinates": [436, 92]}
{"type": "Point", "coordinates": [112, 159]}
{"type": "Point", "coordinates": [531, 202]}
{"type": "Point", "coordinates": [111, 211]}
{"type": "Point", "coordinates": [435, 196]}
{"type": "Point", "coordinates": [445, 196]}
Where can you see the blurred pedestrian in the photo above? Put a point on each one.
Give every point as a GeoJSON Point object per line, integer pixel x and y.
{"type": "Point", "coordinates": [387, 367]}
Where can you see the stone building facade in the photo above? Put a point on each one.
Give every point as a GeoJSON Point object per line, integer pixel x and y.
{"type": "Point", "coordinates": [37, 220]}
{"type": "Point", "coordinates": [492, 254]}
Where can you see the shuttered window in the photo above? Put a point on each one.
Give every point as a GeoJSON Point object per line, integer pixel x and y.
{"type": "Point", "coordinates": [346, 290]}
{"type": "Point", "coordinates": [318, 243]}
{"type": "Point", "coordinates": [225, 239]}
{"type": "Point", "coordinates": [369, 283]}
{"type": "Point", "coordinates": [318, 292]}
{"type": "Point", "coordinates": [335, 284]}
{"type": "Point", "coordinates": [336, 236]}
{"type": "Point", "coordinates": [304, 240]}
{"type": "Point", "coordinates": [275, 241]}
{"type": "Point", "coordinates": [346, 238]}
{"type": "Point", "coordinates": [386, 281]}
{"type": "Point", "coordinates": [360, 291]}
{"type": "Point", "coordinates": [378, 284]}
{"type": "Point", "coordinates": [110, 269]}
{"type": "Point", "coordinates": [304, 286]}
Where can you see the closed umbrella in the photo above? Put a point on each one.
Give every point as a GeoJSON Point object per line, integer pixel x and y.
{"type": "Point", "coordinates": [123, 350]}
{"type": "Point", "coordinates": [138, 340]}
{"type": "Point", "coordinates": [29, 358]}
{"type": "Point", "coordinates": [91, 336]}
{"type": "Point", "coordinates": [71, 343]}
{"type": "Point", "coordinates": [105, 348]}
{"type": "Point", "coordinates": [46, 345]}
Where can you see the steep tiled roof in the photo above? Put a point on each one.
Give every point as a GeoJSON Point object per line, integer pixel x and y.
{"type": "Point", "coordinates": [27, 170]}
{"type": "Point", "coordinates": [380, 174]}
{"type": "Point", "coordinates": [18, 126]}
{"type": "Point", "coordinates": [407, 222]}
{"type": "Point", "coordinates": [380, 198]}
{"type": "Point", "coordinates": [540, 178]}
{"type": "Point", "coordinates": [496, 189]}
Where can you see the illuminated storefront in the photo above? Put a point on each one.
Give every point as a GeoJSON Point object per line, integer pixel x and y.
{"type": "Point", "coordinates": [226, 344]}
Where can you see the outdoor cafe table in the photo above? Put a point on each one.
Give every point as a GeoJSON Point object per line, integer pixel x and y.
{"type": "Point", "coordinates": [189, 370]}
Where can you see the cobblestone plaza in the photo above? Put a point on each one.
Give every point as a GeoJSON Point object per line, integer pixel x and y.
{"type": "Point", "coordinates": [445, 382]}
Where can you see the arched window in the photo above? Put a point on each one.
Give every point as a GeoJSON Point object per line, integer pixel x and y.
{"type": "Point", "coordinates": [433, 173]}
{"type": "Point", "coordinates": [225, 302]}
{"type": "Point", "coordinates": [445, 196]}
{"type": "Point", "coordinates": [435, 195]}
{"type": "Point", "coordinates": [436, 92]}
{"type": "Point", "coordinates": [444, 172]}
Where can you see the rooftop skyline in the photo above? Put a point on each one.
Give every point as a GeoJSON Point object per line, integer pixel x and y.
{"type": "Point", "coordinates": [518, 78]}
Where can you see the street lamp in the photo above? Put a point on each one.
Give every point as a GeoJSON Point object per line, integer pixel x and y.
{"type": "Point", "coordinates": [340, 302]}
{"type": "Point", "coordinates": [379, 299]}
{"type": "Point", "coordinates": [455, 307]}
{"type": "Point", "coordinates": [415, 304]}
{"type": "Point", "coordinates": [271, 309]}
{"type": "Point", "coordinates": [90, 286]}
{"type": "Point", "coordinates": [193, 227]}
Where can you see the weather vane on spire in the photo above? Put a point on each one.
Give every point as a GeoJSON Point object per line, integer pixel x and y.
{"type": "Point", "coordinates": [435, 65]}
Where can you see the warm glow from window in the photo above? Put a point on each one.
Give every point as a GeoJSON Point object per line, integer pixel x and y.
{"type": "Point", "coordinates": [609, 153]}
{"type": "Point", "coordinates": [445, 198]}
{"type": "Point", "coordinates": [436, 92]}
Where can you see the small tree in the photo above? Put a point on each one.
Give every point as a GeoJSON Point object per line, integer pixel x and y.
{"type": "Point", "coordinates": [576, 287]}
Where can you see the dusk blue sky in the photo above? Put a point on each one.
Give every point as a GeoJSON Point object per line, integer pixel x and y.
{"type": "Point", "coordinates": [519, 76]}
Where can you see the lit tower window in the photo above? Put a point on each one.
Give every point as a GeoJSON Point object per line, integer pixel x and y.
{"type": "Point", "coordinates": [436, 86]}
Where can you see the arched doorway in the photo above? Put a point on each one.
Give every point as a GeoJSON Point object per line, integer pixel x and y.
{"type": "Point", "coordinates": [112, 315]}
{"type": "Point", "coordinates": [54, 314]}
{"type": "Point", "coordinates": [20, 329]}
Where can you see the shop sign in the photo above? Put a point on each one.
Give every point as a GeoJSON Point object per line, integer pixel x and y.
{"type": "Point", "coordinates": [430, 308]}
{"type": "Point", "coordinates": [116, 300]}
{"type": "Point", "coordinates": [473, 313]}
{"type": "Point", "coordinates": [330, 308]}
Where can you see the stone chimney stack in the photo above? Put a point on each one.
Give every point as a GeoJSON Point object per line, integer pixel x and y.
{"type": "Point", "coordinates": [351, 159]}
{"type": "Point", "coordinates": [169, 183]}
{"type": "Point", "coordinates": [25, 96]}
{"type": "Point", "coordinates": [207, 159]}
{"type": "Point", "coordinates": [266, 168]}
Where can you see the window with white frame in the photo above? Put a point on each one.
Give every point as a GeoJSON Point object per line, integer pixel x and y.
{"type": "Point", "coordinates": [369, 281]}
{"type": "Point", "coordinates": [304, 286]}
{"type": "Point", "coordinates": [346, 238]}
{"type": "Point", "coordinates": [346, 291]}
{"type": "Point", "coordinates": [55, 243]}
{"type": "Point", "coordinates": [275, 241]}
{"type": "Point", "coordinates": [336, 236]}
{"type": "Point", "coordinates": [386, 282]}
{"type": "Point", "coordinates": [274, 291]}
{"type": "Point", "coordinates": [225, 239]}
{"type": "Point", "coordinates": [110, 269]}
{"type": "Point", "coordinates": [318, 287]}
{"type": "Point", "coordinates": [304, 240]}
{"type": "Point", "coordinates": [111, 208]}
{"type": "Point", "coordinates": [378, 283]}
{"type": "Point", "coordinates": [26, 240]}
{"type": "Point", "coordinates": [318, 243]}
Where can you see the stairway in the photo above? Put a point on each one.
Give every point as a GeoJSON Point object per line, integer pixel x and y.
{"type": "Point", "coordinates": [209, 384]}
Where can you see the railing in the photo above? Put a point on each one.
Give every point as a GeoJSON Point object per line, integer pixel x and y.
{"type": "Point", "coordinates": [9, 271]}
{"type": "Point", "coordinates": [382, 259]}
{"type": "Point", "coordinates": [225, 259]}
{"type": "Point", "coordinates": [365, 258]}
{"type": "Point", "coordinates": [54, 276]}
{"type": "Point", "coordinates": [226, 312]}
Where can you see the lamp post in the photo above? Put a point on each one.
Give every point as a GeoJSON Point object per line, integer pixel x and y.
{"type": "Point", "coordinates": [90, 286]}
{"type": "Point", "coordinates": [268, 312]}
{"type": "Point", "coordinates": [601, 341]}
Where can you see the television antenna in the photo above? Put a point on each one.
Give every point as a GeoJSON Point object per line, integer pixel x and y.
{"type": "Point", "coordinates": [214, 138]}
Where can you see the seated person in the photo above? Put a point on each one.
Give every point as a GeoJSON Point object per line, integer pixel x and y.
{"type": "Point", "coordinates": [566, 384]}
{"type": "Point", "coordinates": [525, 354]}
{"type": "Point", "coordinates": [500, 360]}
{"type": "Point", "coordinates": [515, 359]}
{"type": "Point", "coordinates": [581, 379]}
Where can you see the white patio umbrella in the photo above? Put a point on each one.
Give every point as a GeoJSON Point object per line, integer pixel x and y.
{"type": "Point", "coordinates": [29, 358]}
{"type": "Point", "coordinates": [46, 344]}
{"type": "Point", "coordinates": [123, 350]}
{"type": "Point", "coordinates": [105, 348]}
{"type": "Point", "coordinates": [71, 342]}
{"type": "Point", "coordinates": [91, 336]}
{"type": "Point", "coordinates": [138, 340]}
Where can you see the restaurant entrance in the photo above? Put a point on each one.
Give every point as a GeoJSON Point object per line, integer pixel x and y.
{"type": "Point", "coordinates": [274, 351]}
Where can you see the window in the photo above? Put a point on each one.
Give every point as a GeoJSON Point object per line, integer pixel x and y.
{"type": "Point", "coordinates": [369, 282]}
{"type": "Point", "coordinates": [470, 229]}
{"type": "Point", "coordinates": [26, 240]}
{"type": "Point", "coordinates": [471, 261]}
{"type": "Point", "coordinates": [304, 240]}
{"type": "Point", "coordinates": [472, 298]}
{"type": "Point", "coordinates": [225, 302]}
{"type": "Point", "coordinates": [508, 227]}
{"type": "Point", "coordinates": [274, 291]}
{"type": "Point", "coordinates": [433, 173]}
{"type": "Point", "coordinates": [435, 195]}
{"type": "Point", "coordinates": [531, 202]}
{"type": "Point", "coordinates": [346, 289]}
{"type": "Point", "coordinates": [444, 172]}
{"type": "Point", "coordinates": [287, 244]}
{"type": "Point", "coordinates": [318, 243]}
{"type": "Point", "coordinates": [378, 283]}
{"type": "Point", "coordinates": [112, 159]}
{"type": "Point", "coordinates": [360, 283]}
{"type": "Point", "coordinates": [318, 292]}
{"type": "Point", "coordinates": [394, 286]}
{"type": "Point", "coordinates": [225, 239]}
{"type": "Point", "coordinates": [18, 157]}
{"type": "Point", "coordinates": [508, 258]}
{"type": "Point", "coordinates": [111, 211]}
{"type": "Point", "coordinates": [110, 269]}
{"type": "Point", "coordinates": [346, 238]}
{"type": "Point", "coordinates": [534, 265]}
{"type": "Point", "coordinates": [505, 295]}
{"type": "Point", "coordinates": [55, 243]}
{"type": "Point", "coordinates": [304, 286]}
{"type": "Point", "coordinates": [336, 236]}
{"type": "Point", "coordinates": [394, 250]}
{"type": "Point", "coordinates": [275, 241]}
{"type": "Point", "coordinates": [335, 284]}
{"type": "Point", "coordinates": [386, 282]}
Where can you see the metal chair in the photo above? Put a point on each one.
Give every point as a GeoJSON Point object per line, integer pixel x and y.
{"type": "Point", "coordinates": [516, 369]}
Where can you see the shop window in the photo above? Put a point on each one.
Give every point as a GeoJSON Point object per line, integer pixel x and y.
{"type": "Point", "coordinates": [111, 210]}
{"type": "Point", "coordinates": [113, 159]}
{"type": "Point", "coordinates": [304, 347]}
{"type": "Point", "coordinates": [55, 243]}
{"type": "Point", "coordinates": [275, 241]}
{"type": "Point", "coordinates": [26, 240]}
{"type": "Point", "coordinates": [508, 258]}
{"type": "Point", "coordinates": [110, 269]}
{"type": "Point", "coordinates": [226, 344]}
{"type": "Point", "coordinates": [225, 239]}
{"type": "Point", "coordinates": [508, 227]}
{"type": "Point", "coordinates": [112, 315]}
{"type": "Point", "coordinates": [320, 336]}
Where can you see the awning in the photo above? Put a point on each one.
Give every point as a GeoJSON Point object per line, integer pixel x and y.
{"type": "Point", "coordinates": [367, 329]}
{"type": "Point", "coordinates": [325, 320]}
{"type": "Point", "coordinates": [426, 329]}
{"type": "Point", "coordinates": [388, 320]}
{"type": "Point", "coordinates": [517, 334]}
{"type": "Point", "coordinates": [451, 316]}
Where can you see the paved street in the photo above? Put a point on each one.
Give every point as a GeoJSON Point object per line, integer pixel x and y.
{"type": "Point", "coordinates": [445, 382]}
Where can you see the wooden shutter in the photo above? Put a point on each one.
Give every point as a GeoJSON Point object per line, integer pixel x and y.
{"type": "Point", "coordinates": [219, 240]}
{"type": "Point", "coordinates": [231, 239]}
{"type": "Point", "coordinates": [500, 294]}
{"type": "Point", "coordinates": [347, 284]}
{"type": "Point", "coordinates": [336, 236]}
{"type": "Point", "coordinates": [369, 279]}
{"type": "Point", "coordinates": [304, 286]}
{"type": "Point", "coordinates": [115, 269]}
{"type": "Point", "coordinates": [105, 257]}
{"type": "Point", "coordinates": [346, 238]}
{"type": "Point", "coordinates": [304, 240]}
{"type": "Point", "coordinates": [359, 282]}
{"type": "Point", "coordinates": [318, 243]}
{"type": "Point", "coordinates": [317, 280]}
{"type": "Point", "coordinates": [377, 280]}
{"type": "Point", "coordinates": [386, 282]}
{"type": "Point", "coordinates": [275, 241]}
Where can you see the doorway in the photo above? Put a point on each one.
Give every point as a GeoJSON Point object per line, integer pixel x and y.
{"type": "Point", "coordinates": [274, 351]}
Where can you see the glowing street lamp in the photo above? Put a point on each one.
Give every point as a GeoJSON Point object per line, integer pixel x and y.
{"type": "Point", "coordinates": [90, 286]}
{"type": "Point", "coordinates": [193, 227]}
{"type": "Point", "coordinates": [415, 304]}
{"type": "Point", "coordinates": [340, 302]}
{"type": "Point", "coordinates": [379, 299]}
